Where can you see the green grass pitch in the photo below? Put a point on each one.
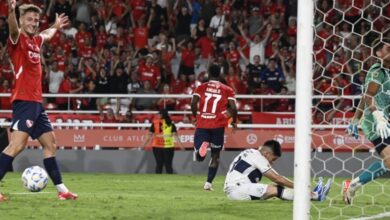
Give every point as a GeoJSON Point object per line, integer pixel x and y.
{"type": "Point", "coordinates": [149, 196]}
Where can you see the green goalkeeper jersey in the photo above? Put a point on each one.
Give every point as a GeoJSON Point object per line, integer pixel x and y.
{"type": "Point", "coordinates": [380, 76]}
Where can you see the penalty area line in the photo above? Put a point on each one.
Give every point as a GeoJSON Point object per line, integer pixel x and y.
{"type": "Point", "coordinates": [382, 215]}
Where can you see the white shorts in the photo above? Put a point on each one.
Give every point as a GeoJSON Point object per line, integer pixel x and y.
{"type": "Point", "coordinates": [246, 191]}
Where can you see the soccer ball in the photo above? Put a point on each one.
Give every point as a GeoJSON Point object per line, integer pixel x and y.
{"type": "Point", "coordinates": [34, 178]}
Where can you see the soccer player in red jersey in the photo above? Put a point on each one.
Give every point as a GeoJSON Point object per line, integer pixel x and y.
{"type": "Point", "coordinates": [28, 116]}
{"type": "Point", "coordinates": [211, 104]}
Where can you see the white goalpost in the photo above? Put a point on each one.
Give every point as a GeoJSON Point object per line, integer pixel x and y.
{"type": "Point", "coordinates": [335, 41]}
{"type": "Point", "coordinates": [302, 158]}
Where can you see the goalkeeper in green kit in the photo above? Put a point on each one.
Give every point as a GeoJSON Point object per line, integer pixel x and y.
{"type": "Point", "coordinates": [373, 114]}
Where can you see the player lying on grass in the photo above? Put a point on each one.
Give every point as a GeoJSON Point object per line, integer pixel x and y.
{"type": "Point", "coordinates": [373, 114]}
{"type": "Point", "coordinates": [247, 169]}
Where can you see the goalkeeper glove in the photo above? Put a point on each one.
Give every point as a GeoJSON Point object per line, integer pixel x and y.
{"type": "Point", "coordinates": [352, 129]}
{"type": "Point", "coordinates": [382, 125]}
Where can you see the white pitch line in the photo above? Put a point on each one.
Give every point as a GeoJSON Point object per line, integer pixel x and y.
{"type": "Point", "coordinates": [31, 193]}
{"type": "Point", "coordinates": [382, 215]}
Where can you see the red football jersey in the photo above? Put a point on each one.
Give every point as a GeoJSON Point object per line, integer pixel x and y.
{"type": "Point", "coordinates": [213, 103]}
{"type": "Point", "coordinates": [233, 57]}
{"type": "Point", "coordinates": [26, 60]}
{"type": "Point", "coordinates": [149, 73]}
{"type": "Point", "coordinates": [140, 37]}
{"type": "Point", "coordinates": [138, 8]}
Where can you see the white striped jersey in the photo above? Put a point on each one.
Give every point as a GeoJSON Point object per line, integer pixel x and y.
{"type": "Point", "coordinates": [247, 167]}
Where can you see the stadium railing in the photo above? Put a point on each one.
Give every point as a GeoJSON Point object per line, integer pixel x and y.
{"type": "Point", "coordinates": [248, 135]}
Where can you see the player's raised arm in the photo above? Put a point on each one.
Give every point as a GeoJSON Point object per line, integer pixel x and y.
{"type": "Point", "coordinates": [14, 30]}
{"type": "Point", "coordinates": [61, 21]}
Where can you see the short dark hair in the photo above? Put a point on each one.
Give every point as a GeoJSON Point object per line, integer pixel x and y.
{"type": "Point", "coordinates": [379, 43]}
{"type": "Point", "coordinates": [274, 146]}
{"type": "Point", "coordinates": [214, 71]}
{"type": "Point", "coordinates": [23, 9]}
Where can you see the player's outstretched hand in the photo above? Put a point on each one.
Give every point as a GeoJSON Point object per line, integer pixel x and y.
{"type": "Point", "coordinates": [12, 4]}
{"type": "Point", "coordinates": [61, 21]}
{"type": "Point", "coordinates": [382, 125]}
{"type": "Point", "coordinates": [352, 130]}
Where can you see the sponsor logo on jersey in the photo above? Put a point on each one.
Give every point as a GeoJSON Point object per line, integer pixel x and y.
{"type": "Point", "coordinates": [34, 56]}
{"type": "Point", "coordinates": [208, 116]}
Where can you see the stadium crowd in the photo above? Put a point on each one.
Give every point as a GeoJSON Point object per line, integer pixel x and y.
{"type": "Point", "coordinates": [166, 46]}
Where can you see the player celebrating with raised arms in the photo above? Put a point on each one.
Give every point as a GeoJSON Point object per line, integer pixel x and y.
{"type": "Point", "coordinates": [210, 103]}
{"type": "Point", "coordinates": [373, 112]}
{"type": "Point", "coordinates": [247, 169]}
{"type": "Point", "coordinates": [28, 116]}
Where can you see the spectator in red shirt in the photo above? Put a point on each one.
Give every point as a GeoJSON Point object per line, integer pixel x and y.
{"type": "Point", "coordinates": [187, 71]}
{"type": "Point", "coordinates": [81, 35]}
{"type": "Point", "coordinates": [284, 104]}
{"type": "Point", "coordinates": [138, 9]}
{"type": "Point", "coordinates": [109, 117]}
{"type": "Point", "coordinates": [69, 85]}
{"type": "Point", "coordinates": [141, 31]}
{"type": "Point", "coordinates": [3, 8]}
{"type": "Point", "coordinates": [86, 51]}
{"type": "Point", "coordinates": [56, 38]}
{"type": "Point", "coordinates": [5, 102]}
{"type": "Point", "coordinates": [292, 26]}
{"type": "Point", "coordinates": [341, 82]}
{"type": "Point", "coordinates": [60, 57]}
{"type": "Point", "coordinates": [233, 80]}
{"type": "Point", "coordinates": [325, 87]}
{"type": "Point", "coordinates": [65, 44]}
{"type": "Point", "coordinates": [206, 44]}
{"type": "Point", "coordinates": [150, 72]}
{"type": "Point", "coordinates": [118, 8]}
{"type": "Point", "coordinates": [100, 9]}
{"type": "Point", "coordinates": [168, 54]}
{"type": "Point", "coordinates": [5, 68]}
{"type": "Point", "coordinates": [101, 37]}
{"type": "Point", "coordinates": [233, 55]}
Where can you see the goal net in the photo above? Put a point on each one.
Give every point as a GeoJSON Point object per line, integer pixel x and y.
{"type": "Point", "coordinates": [344, 32]}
